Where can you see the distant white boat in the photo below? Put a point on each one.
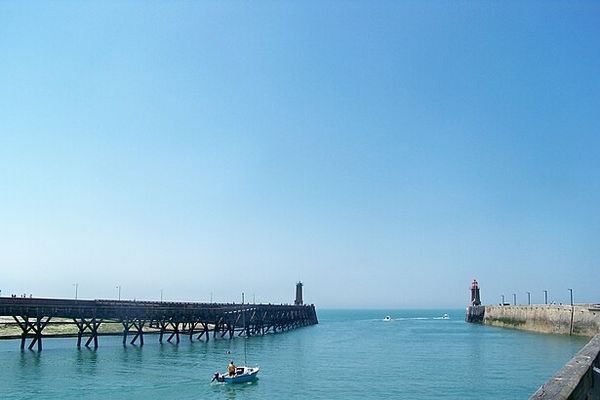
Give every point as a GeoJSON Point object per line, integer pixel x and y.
{"type": "Point", "coordinates": [445, 316]}
{"type": "Point", "coordinates": [387, 318]}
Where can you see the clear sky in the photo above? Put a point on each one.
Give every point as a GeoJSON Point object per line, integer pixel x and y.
{"type": "Point", "coordinates": [385, 153]}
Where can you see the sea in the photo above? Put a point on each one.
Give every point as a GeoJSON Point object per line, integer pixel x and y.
{"type": "Point", "coordinates": [350, 354]}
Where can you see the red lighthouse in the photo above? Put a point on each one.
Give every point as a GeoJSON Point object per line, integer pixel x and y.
{"type": "Point", "coordinates": [475, 299]}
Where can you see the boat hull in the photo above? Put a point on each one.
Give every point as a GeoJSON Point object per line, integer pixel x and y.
{"type": "Point", "coordinates": [247, 374]}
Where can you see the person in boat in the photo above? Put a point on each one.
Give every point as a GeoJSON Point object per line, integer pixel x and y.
{"type": "Point", "coordinates": [231, 368]}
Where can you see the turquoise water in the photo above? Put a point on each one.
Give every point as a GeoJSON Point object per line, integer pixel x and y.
{"type": "Point", "coordinates": [349, 355]}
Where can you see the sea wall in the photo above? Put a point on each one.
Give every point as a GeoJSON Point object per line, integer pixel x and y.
{"type": "Point", "coordinates": [475, 314]}
{"type": "Point", "coordinates": [579, 379]}
{"type": "Point", "coordinates": [580, 319]}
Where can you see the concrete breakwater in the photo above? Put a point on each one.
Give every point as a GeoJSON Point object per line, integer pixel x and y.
{"type": "Point", "coordinates": [579, 379]}
{"type": "Point", "coordinates": [579, 319]}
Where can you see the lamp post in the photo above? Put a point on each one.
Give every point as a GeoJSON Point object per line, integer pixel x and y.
{"type": "Point", "coordinates": [242, 297]}
{"type": "Point", "coordinates": [502, 297]}
{"type": "Point", "coordinates": [119, 287]}
{"type": "Point", "coordinates": [528, 298]}
{"type": "Point", "coordinates": [76, 287]}
{"type": "Point", "coordinates": [545, 297]}
{"type": "Point", "coordinates": [572, 312]}
{"type": "Point", "coordinates": [514, 299]}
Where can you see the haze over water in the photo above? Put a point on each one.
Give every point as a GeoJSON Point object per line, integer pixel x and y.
{"type": "Point", "coordinates": [349, 355]}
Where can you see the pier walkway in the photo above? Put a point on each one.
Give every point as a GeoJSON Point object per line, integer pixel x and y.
{"type": "Point", "coordinates": [197, 320]}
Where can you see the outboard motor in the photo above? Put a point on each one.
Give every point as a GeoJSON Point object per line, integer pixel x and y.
{"type": "Point", "coordinates": [217, 377]}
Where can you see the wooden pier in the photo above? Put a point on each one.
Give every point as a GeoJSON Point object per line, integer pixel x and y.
{"type": "Point", "coordinates": [198, 321]}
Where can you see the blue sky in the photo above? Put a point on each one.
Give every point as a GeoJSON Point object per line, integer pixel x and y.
{"type": "Point", "coordinates": [384, 154]}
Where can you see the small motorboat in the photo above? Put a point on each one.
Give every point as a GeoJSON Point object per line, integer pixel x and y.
{"type": "Point", "coordinates": [235, 374]}
{"type": "Point", "coordinates": [242, 375]}
{"type": "Point", "coordinates": [387, 318]}
{"type": "Point", "coordinates": [445, 316]}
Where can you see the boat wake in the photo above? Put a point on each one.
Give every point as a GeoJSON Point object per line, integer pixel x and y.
{"type": "Point", "coordinates": [388, 318]}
